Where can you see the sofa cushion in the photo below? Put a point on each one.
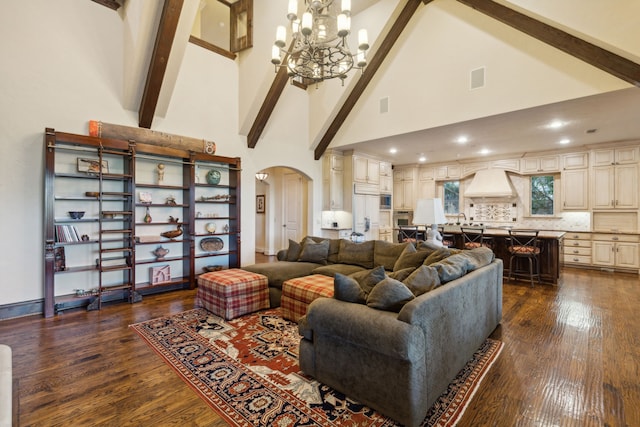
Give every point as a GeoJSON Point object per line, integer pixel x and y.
{"type": "Point", "coordinates": [356, 253]}
{"type": "Point", "coordinates": [412, 259]}
{"type": "Point", "coordinates": [422, 280]}
{"type": "Point", "coordinates": [386, 253]}
{"type": "Point", "coordinates": [389, 295]}
{"type": "Point", "coordinates": [440, 254]}
{"type": "Point", "coordinates": [314, 252]}
{"type": "Point", "coordinates": [278, 272]}
{"type": "Point", "coordinates": [369, 278]}
{"type": "Point", "coordinates": [452, 267]}
{"type": "Point", "coordinates": [331, 269]}
{"type": "Point", "coordinates": [293, 253]}
{"type": "Point", "coordinates": [334, 250]}
{"type": "Point", "coordinates": [479, 257]}
{"type": "Point", "coordinates": [401, 274]}
{"type": "Point", "coordinates": [348, 289]}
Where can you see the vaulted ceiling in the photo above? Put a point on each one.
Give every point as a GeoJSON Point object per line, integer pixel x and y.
{"type": "Point", "coordinates": [617, 122]}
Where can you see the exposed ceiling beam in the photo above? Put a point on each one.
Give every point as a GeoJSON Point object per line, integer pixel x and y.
{"type": "Point", "coordinates": [269, 103]}
{"type": "Point", "coordinates": [363, 81]}
{"type": "Point", "coordinates": [111, 4]}
{"type": "Point", "coordinates": [603, 59]}
{"type": "Point", "coordinates": [159, 59]}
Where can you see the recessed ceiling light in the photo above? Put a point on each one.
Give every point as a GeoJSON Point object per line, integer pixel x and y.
{"type": "Point", "coordinates": [484, 151]}
{"type": "Point", "coordinates": [556, 124]}
{"type": "Point", "coordinates": [564, 141]}
{"type": "Point", "coordinates": [422, 158]}
{"type": "Point", "coordinates": [393, 150]}
{"type": "Point", "coordinates": [462, 139]}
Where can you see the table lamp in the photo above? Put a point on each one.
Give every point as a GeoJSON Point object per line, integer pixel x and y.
{"type": "Point", "coordinates": [429, 211]}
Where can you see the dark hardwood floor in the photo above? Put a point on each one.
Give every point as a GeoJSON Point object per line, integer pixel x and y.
{"type": "Point", "coordinates": [571, 358]}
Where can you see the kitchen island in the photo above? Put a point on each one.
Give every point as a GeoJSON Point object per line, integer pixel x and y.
{"type": "Point", "coordinates": [550, 243]}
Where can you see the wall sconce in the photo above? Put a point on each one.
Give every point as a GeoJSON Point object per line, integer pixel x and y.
{"type": "Point", "coordinates": [261, 176]}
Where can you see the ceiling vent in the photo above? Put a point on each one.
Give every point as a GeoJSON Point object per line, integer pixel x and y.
{"type": "Point", "coordinates": [477, 78]}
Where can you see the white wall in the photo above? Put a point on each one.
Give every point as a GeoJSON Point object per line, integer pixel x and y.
{"type": "Point", "coordinates": [65, 69]}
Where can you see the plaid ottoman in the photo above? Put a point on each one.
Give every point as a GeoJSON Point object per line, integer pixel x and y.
{"type": "Point", "coordinates": [298, 293]}
{"type": "Point", "coordinates": [232, 293]}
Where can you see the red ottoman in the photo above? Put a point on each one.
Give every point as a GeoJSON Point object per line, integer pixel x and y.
{"type": "Point", "coordinates": [298, 293]}
{"type": "Point", "coordinates": [232, 293]}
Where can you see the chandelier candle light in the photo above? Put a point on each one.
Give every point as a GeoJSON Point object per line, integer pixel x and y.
{"type": "Point", "coordinates": [319, 49]}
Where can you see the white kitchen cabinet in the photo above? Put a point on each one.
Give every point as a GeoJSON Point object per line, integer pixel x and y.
{"type": "Point", "coordinates": [333, 182]}
{"type": "Point", "coordinates": [448, 172]}
{"type": "Point", "coordinates": [615, 156]}
{"type": "Point", "coordinates": [404, 185]}
{"type": "Point", "coordinates": [386, 169]}
{"type": "Point", "coordinates": [615, 187]}
{"type": "Point", "coordinates": [575, 189]}
{"type": "Point", "coordinates": [575, 161]}
{"type": "Point", "coordinates": [386, 184]}
{"type": "Point", "coordinates": [615, 250]}
{"type": "Point", "coordinates": [577, 248]}
{"type": "Point", "coordinates": [426, 190]}
{"type": "Point", "coordinates": [535, 165]}
{"type": "Point", "coordinates": [366, 170]}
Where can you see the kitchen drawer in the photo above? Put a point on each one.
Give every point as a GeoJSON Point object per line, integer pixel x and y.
{"type": "Point", "coordinates": [631, 238]}
{"type": "Point", "coordinates": [577, 259]}
{"type": "Point", "coordinates": [577, 250]}
{"type": "Point", "coordinates": [577, 236]}
{"type": "Point", "coordinates": [577, 243]}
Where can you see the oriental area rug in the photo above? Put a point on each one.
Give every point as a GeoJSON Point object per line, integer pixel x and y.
{"type": "Point", "coordinates": [247, 370]}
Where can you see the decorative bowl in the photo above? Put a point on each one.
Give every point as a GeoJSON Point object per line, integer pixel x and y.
{"type": "Point", "coordinates": [210, 268]}
{"type": "Point", "coordinates": [76, 214]}
{"type": "Point", "coordinates": [211, 244]}
{"type": "Point", "coordinates": [213, 177]}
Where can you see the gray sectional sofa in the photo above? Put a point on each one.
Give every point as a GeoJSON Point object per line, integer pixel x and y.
{"type": "Point", "coordinates": [403, 320]}
{"type": "Point", "coordinates": [400, 362]}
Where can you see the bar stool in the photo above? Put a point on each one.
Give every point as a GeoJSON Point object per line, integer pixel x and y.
{"type": "Point", "coordinates": [524, 244]}
{"type": "Point", "coordinates": [447, 238]}
{"type": "Point", "coordinates": [408, 233]}
{"type": "Point", "coordinates": [472, 237]}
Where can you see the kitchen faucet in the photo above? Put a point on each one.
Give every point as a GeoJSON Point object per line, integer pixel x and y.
{"type": "Point", "coordinates": [463, 216]}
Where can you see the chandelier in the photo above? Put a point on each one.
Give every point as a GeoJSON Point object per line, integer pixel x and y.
{"type": "Point", "coordinates": [319, 49]}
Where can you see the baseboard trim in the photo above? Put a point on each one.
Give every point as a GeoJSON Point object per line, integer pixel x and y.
{"type": "Point", "coordinates": [21, 309]}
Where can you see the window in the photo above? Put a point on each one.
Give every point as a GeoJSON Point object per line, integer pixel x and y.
{"type": "Point", "coordinates": [542, 195]}
{"type": "Point", "coordinates": [451, 197]}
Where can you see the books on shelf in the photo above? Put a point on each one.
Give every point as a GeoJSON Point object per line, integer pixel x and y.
{"type": "Point", "coordinates": [67, 233]}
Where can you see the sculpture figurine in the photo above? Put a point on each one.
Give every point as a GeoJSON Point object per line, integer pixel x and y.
{"type": "Point", "coordinates": [173, 233]}
{"type": "Point", "coordinates": [160, 173]}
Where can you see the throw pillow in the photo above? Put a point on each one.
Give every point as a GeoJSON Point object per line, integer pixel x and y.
{"type": "Point", "coordinates": [422, 280]}
{"type": "Point", "coordinates": [440, 254]}
{"type": "Point", "coordinates": [479, 257]}
{"type": "Point", "coordinates": [334, 250]}
{"type": "Point", "coordinates": [369, 278]}
{"type": "Point", "coordinates": [314, 252]}
{"type": "Point", "coordinates": [452, 267]}
{"type": "Point", "coordinates": [347, 289]}
{"type": "Point", "coordinates": [356, 253]}
{"type": "Point", "coordinates": [400, 275]}
{"type": "Point", "coordinates": [389, 295]}
{"type": "Point", "coordinates": [293, 253]}
{"type": "Point", "coordinates": [414, 259]}
{"type": "Point", "coordinates": [386, 253]}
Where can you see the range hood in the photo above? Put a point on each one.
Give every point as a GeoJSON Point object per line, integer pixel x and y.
{"type": "Point", "coordinates": [490, 183]}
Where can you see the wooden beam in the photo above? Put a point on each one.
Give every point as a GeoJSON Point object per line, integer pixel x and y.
{"type": "Point", "coordinates": [159, 59]}
{"type": "Point", "coordinates": [212, 47]}
{"type": "Point", "coordinates": [603, 59]}
{"type": "Point", "coordinates": [369, 72]}
{"type": "Point", "coordinates": [268, 105]}
{"type": "Point", "coordinates": [111, 4]}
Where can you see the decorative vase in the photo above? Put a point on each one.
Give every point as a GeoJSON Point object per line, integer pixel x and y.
{"type": "Point", "coordinates": [160, 253]}
{"type": "Point", "coordinates": [147, 217]}
{"type": "Point", "coordinates": [210, 227]}
{"type": "Point", "coordinates": [213, 177]}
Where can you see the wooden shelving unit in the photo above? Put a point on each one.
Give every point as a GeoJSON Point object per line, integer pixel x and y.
{"type": "Point", "coordinates": [108, 255]}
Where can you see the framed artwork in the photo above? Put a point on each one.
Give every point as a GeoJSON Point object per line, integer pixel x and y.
{"type": "Point", "coordinates": [92, 165]}
{"type": "Point", "coordinates": [260, 203]}
{"type": "Point", "coordinates": [160, 274]}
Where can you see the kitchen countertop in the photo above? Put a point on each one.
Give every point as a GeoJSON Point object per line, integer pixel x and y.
{"type": "Point", "coordinates": [499, 232]}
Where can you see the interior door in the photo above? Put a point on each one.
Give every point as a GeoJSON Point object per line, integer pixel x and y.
{"type": "Point", "coordinates": [292, 208]}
